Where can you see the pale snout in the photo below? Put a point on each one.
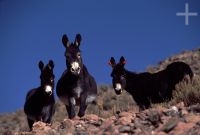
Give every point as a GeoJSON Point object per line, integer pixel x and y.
{"type": "Point", "coordinates": [118, 88]}
{"type": "Point", "coordinates": [48, 89]}
{"type": "Point", "coordinates": [75, 68]}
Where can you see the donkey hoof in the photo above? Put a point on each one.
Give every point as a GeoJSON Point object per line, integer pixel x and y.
{"type": "Point", "coordinates": [72, 116]}
{"type": "Point", "coordinates": [81, 114]}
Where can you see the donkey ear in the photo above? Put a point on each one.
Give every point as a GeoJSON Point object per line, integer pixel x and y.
{"type": "Point", "coordinates": [122, 60]}
{"type": "Point", "coordinates": [112, 62]}
{"type": "Point", "coordinates": [78, 39]}
{"type": "Point", "coordinates": [65, 41]}
{"type": "Point", "coordinates": [41, 65]}
{"type": "Point", "coordinates": [51, 64]}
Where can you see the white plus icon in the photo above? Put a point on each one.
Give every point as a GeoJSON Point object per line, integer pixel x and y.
{"type": "Point", "coordinates": [186, 14]}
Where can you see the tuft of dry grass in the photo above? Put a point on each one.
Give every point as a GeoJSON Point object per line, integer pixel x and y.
{"type": "Point", "coordinates": [187, 91]}
{"type": "Point", "coordinates": [108, 103]}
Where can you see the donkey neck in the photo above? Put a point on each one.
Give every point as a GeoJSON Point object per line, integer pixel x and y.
{"type": "Point", "coordinates": [130, 75]}
{"type": "Point", "coordinates": [135, 81]}
{"type": "Point", "coordinates": [43, 96]}
{"type": "Point", "coordinates": [130, 79]}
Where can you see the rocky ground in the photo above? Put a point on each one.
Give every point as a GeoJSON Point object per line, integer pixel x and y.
{"type": "Point", "coordinates": [176, 120]}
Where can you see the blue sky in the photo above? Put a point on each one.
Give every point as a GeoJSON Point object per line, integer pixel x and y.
{"type": "Point", "coordinates": [143, 31]}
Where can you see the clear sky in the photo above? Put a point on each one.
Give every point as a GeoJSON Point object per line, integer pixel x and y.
{"type": "Point", "coordinates": [143, 31]}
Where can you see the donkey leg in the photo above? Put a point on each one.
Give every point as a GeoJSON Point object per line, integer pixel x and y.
{"type": "Point", "coordinates": [71, 108]}
{"type": "Point", "coordinates": [30, 123]}
{"type": "Point", "coordinates": [52, 112]}
{"type": "Point", "coordinates": [83, 106]}
{"type": "Point", "coordinates": [82, 109]}
{"type": "Point", "coordinates": [71, 111]}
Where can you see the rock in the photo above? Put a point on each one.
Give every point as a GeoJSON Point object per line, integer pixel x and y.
{"type": "Point", "coordinates": [125, 129]}
{"type": "Point", "coordinates": [142, 115]}
{"type": "Point", "coordinates": [126, 114]}
{"type": "Point", "coordinates": [125, 118]}
{"type": "Point", "coordinates": [8, 132]}
{"type": "Point", "coordinates": [154, 118]}
{"type": "Point", "coordinates": [191, 118]}
{"type": "Point", "coordinates": [195, 130]}
{"type": "Point", "coordinates": [123, 121]}
{"type": "Point", "coordinates": [194, 108]}
{"type": "Point", "coordinates": [40, 126]}
{"type": "Point", "coordinates": [170, 125]}
{"type": "Point", "coordinates": [90, 117]}
{"type": "Point", "coordinates": [182, 128]}
{"type": "Point", "coordinates": [173, 111]}
{"type": "Point", "coordinates": [183, 112]}
{"type": "Point", "coordinates": [154, 121]}
{"type": "Point", "coordinates": [93, 119]}
{"type": "Point", "coordinates": [159, 133]}
{"type": "Point", "coordinates": [107, 126]}
{"type": "Point", "coordinates": [180, 105]}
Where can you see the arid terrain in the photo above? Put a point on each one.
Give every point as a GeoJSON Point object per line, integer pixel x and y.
{"type": "Point", "coordinates": [114, 115]}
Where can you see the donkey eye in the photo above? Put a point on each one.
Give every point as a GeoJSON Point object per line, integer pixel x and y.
{"type": "Point", "coordinates": [51, 80]}
{"type": "Point", "coordinates": [79, 55]}
{"type": "Point", "coordinates": [67, 55]}
{"type": "Point", "coordinates": [122, 77]}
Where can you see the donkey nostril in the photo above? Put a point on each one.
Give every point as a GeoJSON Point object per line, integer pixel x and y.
{"type": "Point", "coordinates": [72, 70]}
{"type": "Point", "coordinates": [49, 92]}
{"type": "Point", "coordinates": [79, 68]}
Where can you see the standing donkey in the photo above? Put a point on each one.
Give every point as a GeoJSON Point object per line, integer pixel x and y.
{"type": "Point", "coordinates": [76, 86]}
{"type": "Point", "coordinates": [40, 102]}
{"type": "Point", "coordinates": [145, 87]}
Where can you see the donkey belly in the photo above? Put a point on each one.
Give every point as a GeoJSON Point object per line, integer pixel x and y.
{"type": "Point", "coordinates": [66, 99]}
{"type": "Point", "coordinates": [90, 98]}
{"type": "Point", "coordinates": [75, 98]}
{"type": "Point", "coordinates": [72, 96]}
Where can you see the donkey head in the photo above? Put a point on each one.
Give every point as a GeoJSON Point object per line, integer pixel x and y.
{"type": "Point", "coordinates": [118, 75]}
{"type": "Point", "coordinates": [73, 54]}
{"type": "Point", "coordinates": [47, 77]}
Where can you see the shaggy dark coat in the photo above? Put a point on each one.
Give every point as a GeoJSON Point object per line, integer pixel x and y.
{"type": "Point", "coordinates": [147, 88]}
{"type": "Point", "coordinates": [40, 102]}
{"type": "Point", "coordinates": [76, 87]}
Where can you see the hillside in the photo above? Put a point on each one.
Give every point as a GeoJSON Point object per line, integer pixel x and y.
{"type": "Point", "coordinates": [190, 57]}
{"type": "Point", "coordinates": [113, 114]}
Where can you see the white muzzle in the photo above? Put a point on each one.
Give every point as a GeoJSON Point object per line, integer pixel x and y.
{"type": "Point", "coordinates": [48, 89]}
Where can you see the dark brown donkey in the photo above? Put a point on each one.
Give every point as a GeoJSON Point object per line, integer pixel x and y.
{"type": "Point", "coordinates": [40, 102]}
{"type": "Point", "coordinates": [147, 88]}
{"type": "Point", "coordinates": [76, 86]}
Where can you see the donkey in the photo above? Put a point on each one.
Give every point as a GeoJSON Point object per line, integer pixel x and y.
{"type": "Point", "coordinates": [146, 87]}
{"type": "Point", "coordinates": [76, 87]}
{"type": "Point", "coordinates": [40, 102]}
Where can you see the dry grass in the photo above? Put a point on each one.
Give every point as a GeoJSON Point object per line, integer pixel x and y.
{"type": "Point", "coordinates": [108, 103]}
{"type": "Point", "coordinates": [188, 92]}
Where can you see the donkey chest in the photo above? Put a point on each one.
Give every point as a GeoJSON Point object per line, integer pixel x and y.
{"type": "Point", "coordinates": [76, 91]}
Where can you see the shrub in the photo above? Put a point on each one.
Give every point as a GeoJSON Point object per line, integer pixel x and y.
{"type": "Point", "coordinates": [188, 91]}
{"type": "Point", "coordinates": [108, 103]}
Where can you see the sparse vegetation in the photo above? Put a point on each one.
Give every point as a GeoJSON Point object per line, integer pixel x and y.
{"type": "Point", "coordinates": [188, 91]}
